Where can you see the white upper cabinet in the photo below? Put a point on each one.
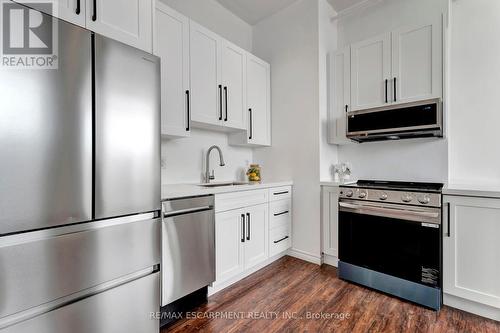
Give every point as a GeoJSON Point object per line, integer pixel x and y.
{"type": "Point", "coordinates": [234, 85]}
{"type": "Point", "coordinates": [206, 86]}
{"type": "Point", "coordinates": [127, 21]}
{"type": "Point", "coordinates": [258, 105]}
{"type": "Point", "coordinates": [171, 44]}
{"type": "Point", "coordinates": [340, 96]}
{"type": "Point", "coordinates": [471, 250]}
{"type": "Point", "coordinates": [417, 62]}
{"type": "Point", "coordinates": [370, 72]}
{"type": "Point", "coordinates": [72, 11]}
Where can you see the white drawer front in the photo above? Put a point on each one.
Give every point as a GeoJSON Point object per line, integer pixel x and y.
{"type": "Point", "coordinates": [235, 200]}
{"type": "Point", "coordinates": [280, 193]}
{"type": "Point", "coordinates": [280, 213]}
{"type": "Point", "coordinates": [280, 240]}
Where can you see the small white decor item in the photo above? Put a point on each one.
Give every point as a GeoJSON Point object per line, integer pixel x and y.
{"type": "Point", "coordinates": [342, 171]}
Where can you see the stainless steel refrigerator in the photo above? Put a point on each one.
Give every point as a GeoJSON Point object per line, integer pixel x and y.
{"type": "Point", "coordinates": [80, 190]}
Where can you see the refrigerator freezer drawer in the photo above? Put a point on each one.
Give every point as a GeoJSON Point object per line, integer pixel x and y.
{"type": "Point", "coordinates": [39, 267]}
{"type": "Point", "coordinates": [127, 130]}
{"type": "Point", "coordinates": [126, 308]}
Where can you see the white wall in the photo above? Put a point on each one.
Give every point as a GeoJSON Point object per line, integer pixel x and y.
{"type": "Point", "coordinates": [182, 159]}
{"type": "Point", "coordinates": [475, 86]}
{"type": "Point", "coordinates": [214, 16]}
{"type": "Point", "coordinates": [416, 160]}
{"type": "Point", "coordinates": [327, 31]}
{"type": "Point", "coordinates": [288, 40]}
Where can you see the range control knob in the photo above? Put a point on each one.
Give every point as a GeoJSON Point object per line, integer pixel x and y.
{"type": "Point", "coordinates": [383, 196]}
{"type": "Point", "coordinates": [362, 194]}
{"type": "Point", "coordinates": [406, 197]}
{"type": "Point", "coordinates": [424, 199]}
{"type": "Point", "coordinates": [349, 193]}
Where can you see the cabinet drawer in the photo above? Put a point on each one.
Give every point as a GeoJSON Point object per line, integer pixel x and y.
{"type": "Point", "coordinates": [235, 200]}
{"type": "Point", "coordinates": [280, 240]}
{"type": "Point", "coordinates": [280, 193]}
{"type": "Point", "coordinates": [280, 213]}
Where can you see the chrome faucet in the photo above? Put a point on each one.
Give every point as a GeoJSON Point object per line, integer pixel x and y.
{"type": "Point", "coordinates": [211, 176]}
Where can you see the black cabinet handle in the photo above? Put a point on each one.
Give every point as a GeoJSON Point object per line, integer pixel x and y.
{"type": "Point", "coordinates": [77, 11]}
{"type": "Point", "coordinates": [188, 111]}
{"type": "Point", "coordinates": [243, 228]}
{"type": "Point", "coordinates": [448, 215]}
{"type": "Point", "coordinates": [395, 89]}
{"type": "Point", "coordinates": [94, 10]}
{"type": "Point", "coordinates": [220, 100]}
{"type": "Point", "coordinates": [225, 98]}
{"type": "Point", "coordinates": [251, 125]}
{"type": "Point", "coordinates": [248, 226]}
{"type": "Point", "coordinates": [386, 99]}
{"type": "Point", "coordinates": [282, 213]}
{"type": "Point", "coordinates": [346, 108]}
{"type": "Point", "coordinates": [279, 193]}
{"type": "Point", "coordinates": [280, 240]}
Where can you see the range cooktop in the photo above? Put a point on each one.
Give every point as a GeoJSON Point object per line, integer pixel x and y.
{"type": "Point", "coordinates": [397, 186]}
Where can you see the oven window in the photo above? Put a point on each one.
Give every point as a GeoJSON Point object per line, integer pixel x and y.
{"type": "Point", "coordinates": [394, 119]}
{"type": "Point", "coordinates": [400, 248]}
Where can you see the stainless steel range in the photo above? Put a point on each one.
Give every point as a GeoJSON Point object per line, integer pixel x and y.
{"type": "Point", "coordinates": [390, 238]}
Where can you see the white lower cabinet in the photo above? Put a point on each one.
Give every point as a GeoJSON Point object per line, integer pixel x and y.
{"type": "Point", "coordinates": [330, 225]}
{"type": "Point", "coordinates": [240, 240]}
{"type": "Point", "coordinates": [250, 232]}
{"type": "Point", "coordinates": [471, 252]}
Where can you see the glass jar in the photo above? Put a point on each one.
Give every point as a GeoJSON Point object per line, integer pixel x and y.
{"type": "Point", "coordinates": [253, 173]}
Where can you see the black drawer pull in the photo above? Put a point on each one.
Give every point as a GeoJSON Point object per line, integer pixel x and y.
{"type": "Point", "coordinates": [94, 10]}
{"type": "Point", "coordinates": [280, 240]}
{"type": "Point", "coordinates": [279, 193]}
{"type": "Point", "coordinates": [77, 11]}
{"type": "Point", "coordinates": [282, 213]}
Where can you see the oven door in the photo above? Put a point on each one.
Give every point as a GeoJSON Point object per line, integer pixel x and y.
{"type": "Point", "coordinates": [398, 240]}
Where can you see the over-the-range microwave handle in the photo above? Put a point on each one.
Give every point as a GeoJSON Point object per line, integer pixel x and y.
{"type": "Point", "coordinates": [402, 212]}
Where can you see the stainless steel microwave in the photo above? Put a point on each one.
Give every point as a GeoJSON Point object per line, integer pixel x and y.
{"type": "Point", "coordinates": [393, 122]}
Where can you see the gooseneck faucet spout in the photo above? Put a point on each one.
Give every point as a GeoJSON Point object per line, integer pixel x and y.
{"type": "Point", "coordinates": [211, 176]}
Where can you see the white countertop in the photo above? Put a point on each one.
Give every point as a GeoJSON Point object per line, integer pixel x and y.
{"type": "Point", "coordinates": [170, 191]}
{"type": "Point", "coordinates": [487, 191]}
{"type": "Point", "coordinates": [332, 183]}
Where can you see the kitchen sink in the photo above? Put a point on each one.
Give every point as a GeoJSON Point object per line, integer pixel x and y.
{"type": "Point", "coordinates": [219, 184]}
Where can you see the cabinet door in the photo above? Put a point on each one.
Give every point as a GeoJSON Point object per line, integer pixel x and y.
{"type": "Point", "coordinates": [129, 22]}
{"type": "Point", "coordinates": [330, 197]}
{"type": "Point", "coordinates": [234, 85]}
{"type": "Point", "coordinates": [256, 235]}
{"type": "Point", "coordinates": [171, 44]}
{"type": "Point", "coordinates": [370, 68]}
{"type": "Point", "coordinates": [229, 242]}
{"type": "Point", "coordinates": [206, 86]}
{"type": "Point", "coordinates": [258, 101]}
{"type": "Point", "coordinates": [69, 10]}
{"type": "Point", "coordinates": [471, 251]}
{"type": "Point", "coordinates": [340, 96]}
{"type": "Point", "coordinates": [417, 64]}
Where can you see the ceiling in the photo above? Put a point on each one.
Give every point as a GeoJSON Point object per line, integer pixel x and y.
{"type": "Point", "coordinates": [340, 5]}
{"type": "Point", "coordinates": [253, 11]}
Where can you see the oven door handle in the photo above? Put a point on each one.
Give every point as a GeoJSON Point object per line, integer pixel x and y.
{"type": "Point", "coordinates": [383, 211]}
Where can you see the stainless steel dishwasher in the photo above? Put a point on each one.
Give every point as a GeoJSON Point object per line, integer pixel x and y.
{"type": "Point", "coordinates": [188, 246]}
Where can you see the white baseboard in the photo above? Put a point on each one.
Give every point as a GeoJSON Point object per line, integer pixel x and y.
{"type": "Point", "coordinates": [218, 286]}
{"type": "Point", "coordinates": [304, 256]}
{"type": "Point", "coordinates": [330, 260]}
{"type": "Point", "coordinates": [472, 307]}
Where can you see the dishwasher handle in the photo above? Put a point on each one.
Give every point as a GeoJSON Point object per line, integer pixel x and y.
{"type": "Point", "coordinates": [187, 211]}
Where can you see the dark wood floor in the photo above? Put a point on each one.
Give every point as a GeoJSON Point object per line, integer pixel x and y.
{"type": "Point", "coordinates": [294, 287]}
